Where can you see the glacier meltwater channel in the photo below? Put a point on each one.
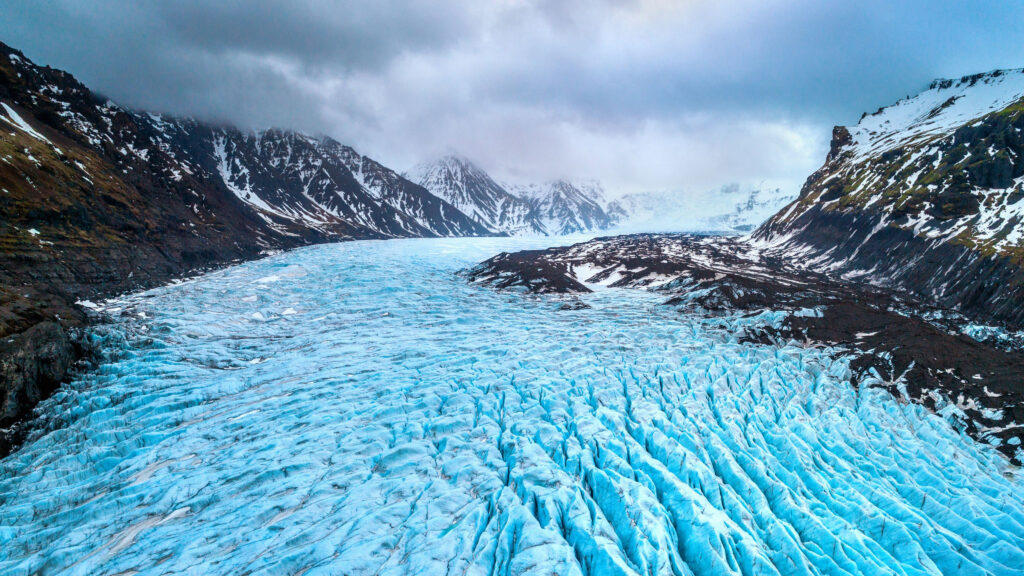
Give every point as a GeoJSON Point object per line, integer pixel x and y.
{"type": "Point", "coordinates": [360, 408]}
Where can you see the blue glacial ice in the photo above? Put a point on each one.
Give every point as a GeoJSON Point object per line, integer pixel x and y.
{"type": "Point", "coordinates": [360, 409]}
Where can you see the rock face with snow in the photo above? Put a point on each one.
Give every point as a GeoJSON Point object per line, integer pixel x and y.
{"type": "Point", "coordinates": [926, 195]}
{"type": "Point", "coordinates": [557, 207]}
{"type": "Point", "coordinates": [321, 184]}
{"type": "Point", "coordinates": [475, 193]}
{"type": "Point", "coordinates": [564, 207]}
{"type": "Point", "coordinates": [99, 199]}
{"type": "Point", "coordinates": [729, 208]}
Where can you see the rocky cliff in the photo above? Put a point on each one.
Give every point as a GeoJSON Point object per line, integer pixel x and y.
{"type": "Point", "coordinates": [927, 196]}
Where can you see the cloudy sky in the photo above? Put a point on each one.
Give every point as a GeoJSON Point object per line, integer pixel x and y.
{"type": "Point", "coordinates": [646, 94]}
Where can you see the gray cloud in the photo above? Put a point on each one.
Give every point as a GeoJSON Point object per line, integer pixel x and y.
{"type": "Point", "coordinates": [641, 94]}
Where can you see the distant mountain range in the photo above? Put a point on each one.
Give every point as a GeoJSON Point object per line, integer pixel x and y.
{"type": "Point", "coordinates": [561, 207]}
{"type": "Point", "coordinates": [475, 193]}
{"type": "Point", "coordinates": [551, 208]}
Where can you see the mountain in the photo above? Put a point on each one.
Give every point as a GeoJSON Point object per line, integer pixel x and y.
{"type": "Point", "coordinates": [563, 207]}
{"type": "Point", "coordinates": [99, 199]}
{"type": "Point", "coordinates": [732, 207]}
{"type": "Point", "coordinates": [747, 214]}
{"type": "Point", "coordinates": [314, 182]}
{"type": "Point", "coordinates": [926, 195]}
{"type": "Point", "coordinates": [592, 189]}
{"type": "Point", "coordinates": [475, 193]}
{"type": "Point", "coordinates": [558, 207]}
{"type": "Point", "coordinates": [903, 254]}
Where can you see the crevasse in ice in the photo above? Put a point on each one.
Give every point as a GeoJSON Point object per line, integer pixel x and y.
{"type": "Point", "coordinates": [360, 409]}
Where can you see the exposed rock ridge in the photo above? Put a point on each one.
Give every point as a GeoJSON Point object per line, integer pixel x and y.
{"type": "Point", "coordinates": [926, 196]}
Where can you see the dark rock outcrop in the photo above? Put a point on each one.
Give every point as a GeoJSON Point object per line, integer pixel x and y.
{"type": "Point", "coordinates": [33, 363]}
{"type": "Point", "coordinates": [909, 347]}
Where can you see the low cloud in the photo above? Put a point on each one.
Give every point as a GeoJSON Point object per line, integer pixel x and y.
{"type": "Point", "coordinates": [641, 94]}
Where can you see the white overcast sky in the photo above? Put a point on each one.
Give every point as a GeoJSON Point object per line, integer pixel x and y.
{"type": "Point", "coordinates": [646, 94]}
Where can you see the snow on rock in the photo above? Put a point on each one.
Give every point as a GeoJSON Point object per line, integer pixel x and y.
{"type": "Point", "coordinates": [565, 207]}
{"type": "Point", "coordinates": [476, 194]}
{"type": "Point", "coordinates": [926, 195]}
{"type": "Point", "coordinates": [944, 107]}
{"type": "Point", "coordinates": [18, 122]}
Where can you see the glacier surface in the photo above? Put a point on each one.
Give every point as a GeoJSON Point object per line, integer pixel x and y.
{"type": "Point", "coordinates": [359, 408]}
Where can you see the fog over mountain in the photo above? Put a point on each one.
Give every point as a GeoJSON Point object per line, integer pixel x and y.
{"type": "Point", "coordinates": [642, 95]}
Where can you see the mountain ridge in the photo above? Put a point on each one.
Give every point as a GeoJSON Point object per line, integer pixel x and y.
{"type": "Point", "coordinates": [924, 195]}
{"type": "Point", "coordinates": [565, 207]}
{"type": "Point", "coordinates": [99, 199]}
{"type": "Point", "coordinates": [472, 190]}
{"type": "Point", "coordinates": [553, 207]}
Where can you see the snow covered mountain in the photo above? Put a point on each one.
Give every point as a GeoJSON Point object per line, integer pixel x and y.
{"type": "Point", "coordinates": [730, 208]}
{"type": "Point", "coordinates": [315, 182]}
{"type": "Point", "coordinates": [564, 207]}
{"type": "Point", "coordinates": [557, 207]}
{"type": "Point", "coordinates": [295, 184]}
{"type": "Point", "coordinates": [475, 193]}
{"type": "Point", "coordinates": [926, 195]}
{"type": "Point", "coordinates": [99, 199]}
{"type": "Point", "coordinates": [592, 189]}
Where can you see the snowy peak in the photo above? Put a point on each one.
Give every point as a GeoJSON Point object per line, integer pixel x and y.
{"type": "Point", "coordinates": [304, 180]}
{"type": "Point", "coordinates": [945, 163]}
{"type": "Point", "coordinates": [565, 207]}
{"type": "Point", "coordinates": [592, 189]}
{"type": "Point", "coordinates": [475, 193]}
{"type": "Point", "coordinates": [557, 207]}
{"type": "Point", "coordinates": [946, 106]}
{"type": "Point", "coordinates": [927, 195]}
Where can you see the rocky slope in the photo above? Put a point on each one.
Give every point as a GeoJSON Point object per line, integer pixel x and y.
{"type": "Point", "coordinates": [475, 193]}
{"type": "Point", "coordinates": [564, 207]}
{"type": "Point", "coordinates": [926, 195]}
{"type": "Point", "coordinates": [318, 183]}
{"type": "Point", "coordinates": [98, 199]}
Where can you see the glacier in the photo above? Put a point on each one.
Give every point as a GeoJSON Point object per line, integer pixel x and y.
{"type": "Point", "coordinates": [359, 408]}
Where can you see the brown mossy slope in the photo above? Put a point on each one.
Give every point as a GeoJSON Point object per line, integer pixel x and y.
{"type": "Point", "coordinates": [80, 219]}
